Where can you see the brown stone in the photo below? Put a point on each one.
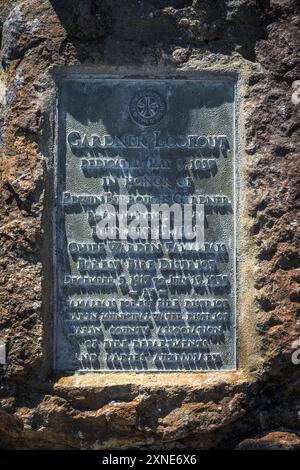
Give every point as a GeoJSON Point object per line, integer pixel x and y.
{"type": "Point", "coordinates": [278, 440]}
{"type": "Point", "coordinates": [258, 40]}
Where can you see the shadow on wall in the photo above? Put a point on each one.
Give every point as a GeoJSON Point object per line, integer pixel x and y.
{"type": "Point", "coordinates": [113, 26]}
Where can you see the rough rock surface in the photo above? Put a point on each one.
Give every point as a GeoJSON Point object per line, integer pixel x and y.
{"type": "Point", "coordinates": [259, 39]}
{"type": "Point", "coordinates": [272, 441]}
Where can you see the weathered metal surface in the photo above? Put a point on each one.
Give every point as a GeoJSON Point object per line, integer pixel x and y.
{"type": "Point", "coordinates": [145, 304]}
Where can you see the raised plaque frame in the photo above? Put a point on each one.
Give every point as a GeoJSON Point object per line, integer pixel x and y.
{"type": "Point", "coordinates": [228, 77]}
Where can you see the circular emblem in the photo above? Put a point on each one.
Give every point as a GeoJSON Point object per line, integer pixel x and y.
{"type": "Point", "coordinates": [147, 107]}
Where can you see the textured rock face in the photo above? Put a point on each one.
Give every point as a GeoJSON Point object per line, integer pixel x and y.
{"type": "Point", "coordinates": [272, 441]}
{"type": "Point", "coordinates": [259, 40]}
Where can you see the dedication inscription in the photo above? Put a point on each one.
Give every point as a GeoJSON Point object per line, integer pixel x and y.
{"type": "Point", "coordinates": [145, 225]}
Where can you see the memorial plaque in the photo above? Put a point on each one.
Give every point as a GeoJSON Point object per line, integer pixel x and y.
{"type": "Point", "coordinates": [145, 225]}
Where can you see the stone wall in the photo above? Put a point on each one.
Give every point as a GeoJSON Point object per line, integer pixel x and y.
{"type": "Point", "coordinates": [259, 41]}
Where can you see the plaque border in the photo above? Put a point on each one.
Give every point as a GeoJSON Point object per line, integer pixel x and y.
{"type": "Point", "coordinates": [84, 74]}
